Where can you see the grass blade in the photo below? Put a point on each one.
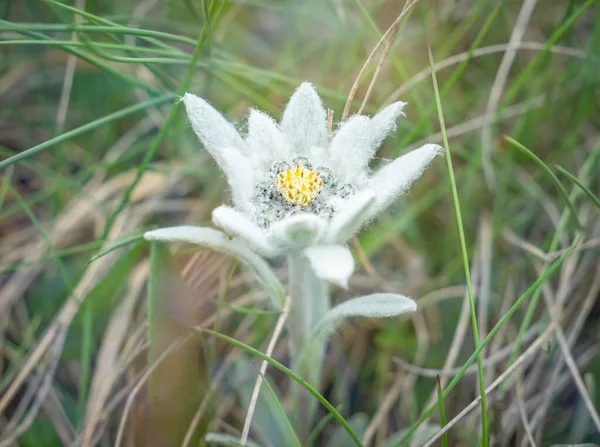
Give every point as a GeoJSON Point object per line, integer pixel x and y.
{"type": "Point", "coordinates": [86, 128]}
{"type": "Point", "coordinates": [555, 179]}
{"type": "Point", "coordinates": [123, 243]}
{"type": "Point", "coordinates": [584, 188]}
{"type": "Point", "coordinates": [292, 375]}
{"type": "Point", "coordinates": [442, 411]}
{"type": "Point", "coordinates": [465, 255]}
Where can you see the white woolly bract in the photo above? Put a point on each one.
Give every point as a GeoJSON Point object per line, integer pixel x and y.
{"type": "Point", "coordinates": [218, 241]}
{"type": "Point", "coordinates": [238, 225]}
{"type": "Point", "coordinates": [331, 263]}
{"type": "Point", "coordinates": [304, 120]}
{"type": "Point", "coordinates": [299, 231]}
{"type": "Point", "coordinates": [270, 223]}
{"type": "Point", "coordinates": [378, 305]}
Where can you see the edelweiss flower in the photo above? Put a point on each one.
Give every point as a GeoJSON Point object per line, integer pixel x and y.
{"type": "Point", "coordinates": [295, 189]}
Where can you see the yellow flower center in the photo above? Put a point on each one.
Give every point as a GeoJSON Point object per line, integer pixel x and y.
{"type": "Point", "coordinates": [299, 186]}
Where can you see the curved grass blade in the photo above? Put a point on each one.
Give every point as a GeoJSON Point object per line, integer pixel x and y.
{"type": "Point", "coordinates": [105, 45]}
{"type": "Point", "coordinates": [290, 374]}
{"type": "Point", "coordinates": [123, 243]}
{"type": "Point", "coordinates": [86, 57]}
{"type": "Point", "coordinates": [43, 27]}
{"type": "Point", "coordinates": [555, 179]}
{"type": "Point", "coordinates": [86, 128]}
{"type": "Point", "coordinates": [584, 188]}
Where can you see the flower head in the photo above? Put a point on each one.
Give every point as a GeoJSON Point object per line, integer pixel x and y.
{"type": "Point", "coordinates": [295, 188]}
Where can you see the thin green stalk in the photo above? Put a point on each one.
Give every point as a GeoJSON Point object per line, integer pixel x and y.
{"type": "Point", "coordinates": [290, 374]}
{"type": "Point", "coordinates": [584, 188]}
{"type": "Point", "coordinates": [88, 58]}
{"type": "Point", "coordinates": [90, 44]}
{"type": "Point", "coordinates": [106, 45]}
{"type": "Point", "coordinates": [123, 243]}
{"type": "Point", "coordinates": [7, 26]}
{"type": "Point", "coordinates": [86, 128]}
{"type": "Point", "coordinates": [442, 411]}
{"type": "Point", "coordinates": [104, 21]}
{"type": "Point", "coordinates": [465, 255]}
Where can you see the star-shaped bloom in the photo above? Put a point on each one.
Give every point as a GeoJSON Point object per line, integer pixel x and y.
{"type": "Point", "coordinates": [294, 188]}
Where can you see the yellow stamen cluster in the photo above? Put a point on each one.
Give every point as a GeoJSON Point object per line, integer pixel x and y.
{"type": "Point", "coordinates": [299, 186]}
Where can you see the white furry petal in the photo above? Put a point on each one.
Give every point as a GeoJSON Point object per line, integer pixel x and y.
{"type": "Point", "coordinates": [304, 120]}
{"type": "Point", "coordinates": [239, 170]}
{"type": "Point", "coordinates": [236, 224]}
{"type": "Point", "coordinates": [377, 305]}
{"type": "Point", "coordinates": [207, 237]}
{"type": "Point", "coordinates": [396, 178]}
{"type": "Point", "coordinates": [384, 123]}
{"type": "Point", "coordinates": [265, 141]}
{"type": "Point", "coordinates": [331, 263]}
{"type": "Point", "coordinates": [343, 224]}
{"type": "Point", "coordinates": [352, 147]}
{"type": "Point", "coordinates": [298, 231]}
{"type": "Point", "coordinates": [212, 129]}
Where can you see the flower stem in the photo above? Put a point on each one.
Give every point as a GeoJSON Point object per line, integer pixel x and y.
{"type": "Point", "coordinates": [310, 301]}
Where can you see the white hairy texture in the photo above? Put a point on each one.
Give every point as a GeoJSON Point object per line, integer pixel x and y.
{"type": "Point", "coordinates": [331, 263]}
{"type": "Point", "coordinates": [377, 305]}
{"type": "Point", "coordinates": [352, 147]}
{"type": "Point", "coordinates": [213, 130]}
{"type": "Point", "coordinates": [239, 170]}
{"type": "Point", "coordinates": [351, 198]}
{"type": "Point", "coordinates": [384, 123]}
{"type": "Point", "coordinates": [304, 120]}
{"type": "Point", "coordinates": [298, 231]}
{"type": "Point", "coordinates": [236, 224]}
{"type": "Point", "coordinates": [395, 179]}
{"type": "Point", "coordinates": [343, 224]}
{"type": "Point", "coordinates": [266, 142]}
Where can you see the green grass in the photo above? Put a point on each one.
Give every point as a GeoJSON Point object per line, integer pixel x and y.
{"type": "Point", "coordinates": [464, 253]}
{"type": "Point", "coordinates": [132, 64]}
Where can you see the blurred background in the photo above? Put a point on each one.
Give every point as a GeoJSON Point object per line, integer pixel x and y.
{"type": "Point", "coordinates": [88, 94]}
